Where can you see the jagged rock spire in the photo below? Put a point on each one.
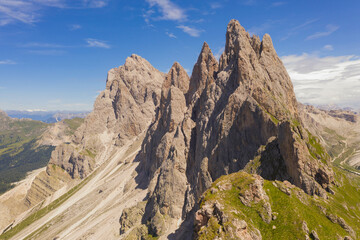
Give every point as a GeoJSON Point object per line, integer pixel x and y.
{"type": "Point", "coordinates": [203, 71]}
{"type": "Point", "coordinates": [177, 77]}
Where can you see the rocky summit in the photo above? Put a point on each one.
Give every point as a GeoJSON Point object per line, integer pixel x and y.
{"type": "Point", "coordinates": [223, 119]}
{"type": "Point", "coordinates": [226, 153]}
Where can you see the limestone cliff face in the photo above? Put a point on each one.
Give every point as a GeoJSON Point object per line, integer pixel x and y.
{"type": "Point", "coordinates": [229, 116]}
{"type": "Point", "coordinates": [122, 111]}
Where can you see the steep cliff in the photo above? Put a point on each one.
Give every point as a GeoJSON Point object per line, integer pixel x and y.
{"type": "Point", "coordinates": [238, 114]}
{"type": "Point", "coordinates": [121, 112]}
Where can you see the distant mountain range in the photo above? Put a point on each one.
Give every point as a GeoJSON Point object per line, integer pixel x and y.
{"type": "Point", "coordinates": [46, 116]}
{"type": "Point", "coordinates": [329, 107]}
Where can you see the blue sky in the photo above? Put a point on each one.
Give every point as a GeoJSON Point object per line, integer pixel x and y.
{"type": "Point", "coordinates": [55, 54]}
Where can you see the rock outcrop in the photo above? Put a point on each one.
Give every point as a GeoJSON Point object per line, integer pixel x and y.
{"type": "Point", "coordinates": [121, 112]}
{"type": "Point", "coordinates": [217, 122]}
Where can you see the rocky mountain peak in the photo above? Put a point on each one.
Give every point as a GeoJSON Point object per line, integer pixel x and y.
{"type": "Point", "coordinates": [237, 40]}
{"type": "Point", "coordinates": [239, 114]}
{"type": "Point", "coordinates": [248, 117]}
{"type": "Point", "coordinates": [177, 77]}
{"type": "Point", "coordinates": [267, 45]}
{"type": "Point", "coordinates": [203, 72]}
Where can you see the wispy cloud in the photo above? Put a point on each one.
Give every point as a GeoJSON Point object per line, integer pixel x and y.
{"type": "Point", "coordinates": [17, 10]}
{"type": "Point", "coordinates": [95, 3]}
{"type": "Point", "coordinates": [29, 11]}
{"type": "Point", "coordinates": [50, 3]}
{"type": "Point", "coordinates": [328, 47]}
{"type": "Point", "coordinates": [295, 30]}
{"type": "Point", "coordinates": [7, 62]}
{"type": "Point", "coordinates": [47, 52]}
{"type": "Point", "coordinates": [215, 5]}
{"type": "Point", "coordinates": [329, 30]}
{"type": "Point", "coordinates": [325, 80]}
{"type": "Point", "coordinates": [190, 30]}
{"type": "Point", "coordinates": [91, 42]}
{"type": "Point", "coordinates": [74, 27]}
{"type": "Point", "coordinates": [278, 4]}
{"type": "Point", "coordinates": [171, 35]}
{"type": "Point", "coordinates": [42, 45]}
{"type": "Point", "coordinates": [168, 10]}
{"type": "Point", "coordinates": [249, 2]}
{"type": "Point", "coordinates": [263, 28]}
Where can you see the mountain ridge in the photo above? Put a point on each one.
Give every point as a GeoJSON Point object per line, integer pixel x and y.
{"type": "Point", "coordinates": [183, 133]}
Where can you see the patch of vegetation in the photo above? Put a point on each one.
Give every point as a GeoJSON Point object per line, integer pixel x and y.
{"type": "Point", "coordinates": [316, 150]}
{"type": "Point", "coordinates": [292, 210]}
{"type": "Point", "coordinates": [253, 165]}
{"type": "Point", "coordinates": [15, 164]}
{"type": "Point", "coordinates": [333, 133]}
{"type": "Point", "coordinates": [295, 122]}
{"type": "Point", "coordinates": [89, 153]}
{"type": "Point", "coordinates": [19, 153]}
{"type": "Point", "coordinates": [73, 124]}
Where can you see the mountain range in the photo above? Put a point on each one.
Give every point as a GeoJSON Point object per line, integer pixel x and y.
{"type": "Point", "coordinates": [227, 153]}
{"type": "Point", "coordinates": [45, 116]}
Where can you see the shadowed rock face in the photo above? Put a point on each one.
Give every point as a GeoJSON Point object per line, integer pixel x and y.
{"type": "Point", "coordinates": [217, 123]}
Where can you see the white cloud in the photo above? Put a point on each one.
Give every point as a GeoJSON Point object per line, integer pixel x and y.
{"type": "Point", "coordinates": [278, 4]}
{"type": "Point", "coordinates": [325, 80]}
{"type": "Point", "coordinates": [249, 2]}
{"type": "Point", "coordinates": [95, 3]}
{"type": "Point", "coordinates": [42, 45]}
{"type": "Point", "coordinates": [17, 10]}
{"type": "Point", "coordinates": [3, 62]}
{"type": "Point", "coordinates": [74, 27]}
{"type": "Point", "coordinates": [50, 3]}
{"type": "Point", "coordinates": [296, 29]}
{"type": "Point", "coordinates": [215, 5]}
{"type": "Point", "coordinates": [36, 110]}
{"type": "Point", "coordinates": [97, 43]}
{"type": "Point", "coordinates": [329, 30]}
{"type": "Point", "coordinates": [171, 35]}
{"type": "Point", "coordinates": [328, 47]}
{"type": "Point", "coordinates": [47, 52]}
{"type": "Point", "coordinates": [190, 30]}
{"type": "Point", "coordinates": [263, 28]}
{"type": "Point", "coordinates": [29, 11]}
{"type": "Point", "coordinates": [168, 10]}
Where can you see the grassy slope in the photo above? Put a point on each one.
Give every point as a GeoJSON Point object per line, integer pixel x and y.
{"type": "Point", "coordinates": [19, 152]}
{"type": "Point", "coordinates": [292, 210]}
{"type": "Point", "coordinates": [73, 124]}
